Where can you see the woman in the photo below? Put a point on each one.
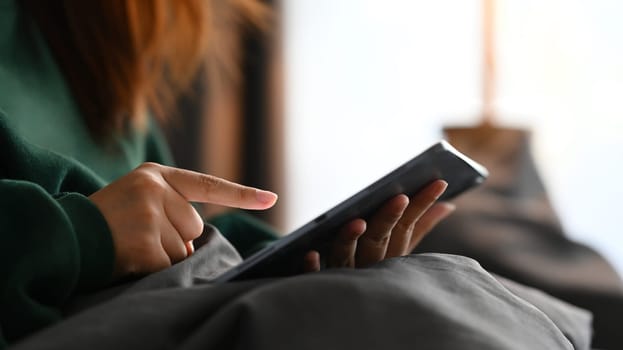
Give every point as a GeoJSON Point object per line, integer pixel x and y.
{"type": "Point", "coordinates": [86, 195]}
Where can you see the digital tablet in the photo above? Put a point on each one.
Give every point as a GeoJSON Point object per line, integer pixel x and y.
{"type": "Point", "coordinates": [285, 256]}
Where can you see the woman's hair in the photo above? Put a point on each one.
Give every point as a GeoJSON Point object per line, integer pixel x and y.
{"type": "Point", "coordinates": [122, 58]}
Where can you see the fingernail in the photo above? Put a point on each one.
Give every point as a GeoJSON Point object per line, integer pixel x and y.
{"type": "Point", "coordinates": [440, 188]}
{"type": "Point", "coordinates": [265, 197]}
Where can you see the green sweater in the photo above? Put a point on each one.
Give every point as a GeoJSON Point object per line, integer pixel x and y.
{"type": "Point", "coordinates": [54, 242]}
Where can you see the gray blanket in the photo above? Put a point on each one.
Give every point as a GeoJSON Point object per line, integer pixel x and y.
{"type": "Point", "coordinates": [509, 226]}
{"type": "Point", "coordinates": [426, 301]}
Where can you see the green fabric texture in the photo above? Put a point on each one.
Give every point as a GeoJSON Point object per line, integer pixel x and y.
{"type": "Point", "coordinates": [54, 242]}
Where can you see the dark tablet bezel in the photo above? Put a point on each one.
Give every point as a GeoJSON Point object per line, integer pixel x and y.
{"type": "Point", "coordinates": [284, 257]}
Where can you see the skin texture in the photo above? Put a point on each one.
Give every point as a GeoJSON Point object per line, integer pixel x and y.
{"type": "Point", "coordinates": [153, 224]}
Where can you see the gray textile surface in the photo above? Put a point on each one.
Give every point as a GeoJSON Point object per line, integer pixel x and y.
{"type": "Point", "coordinates": [509, 226]}
{"type": "Point", "coordinates": [428, 301]}
{"type": "Point", "coordinates": [574, 323]}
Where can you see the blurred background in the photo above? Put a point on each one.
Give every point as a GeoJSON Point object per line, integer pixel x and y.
{"type": "Point", "coordinates": [337, 93]}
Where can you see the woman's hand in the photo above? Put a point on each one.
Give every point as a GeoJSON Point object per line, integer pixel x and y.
{"type": "Point", "coordinates": [394, 230]}
{"type": "Point", "coordinates": [151, 219]}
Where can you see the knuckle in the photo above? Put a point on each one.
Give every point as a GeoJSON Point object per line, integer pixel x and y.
{"type": "Point", "coordinates": [150, 166]}
{"type": "Point", "coordinates": [148, 183]}
{"type": "Point", "coordinates": [378, 240]}
{"type": "Point", "coordinates": [208, 183]}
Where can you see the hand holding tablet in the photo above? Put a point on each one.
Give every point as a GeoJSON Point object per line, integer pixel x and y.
{"type": "Point", "coordinates": [393, 230]}
{"type": "Point", "coordinates": [417, 179]}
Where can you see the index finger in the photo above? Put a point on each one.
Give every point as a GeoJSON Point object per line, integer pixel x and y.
{"type": "Point", "coordinates": [203, 188]}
